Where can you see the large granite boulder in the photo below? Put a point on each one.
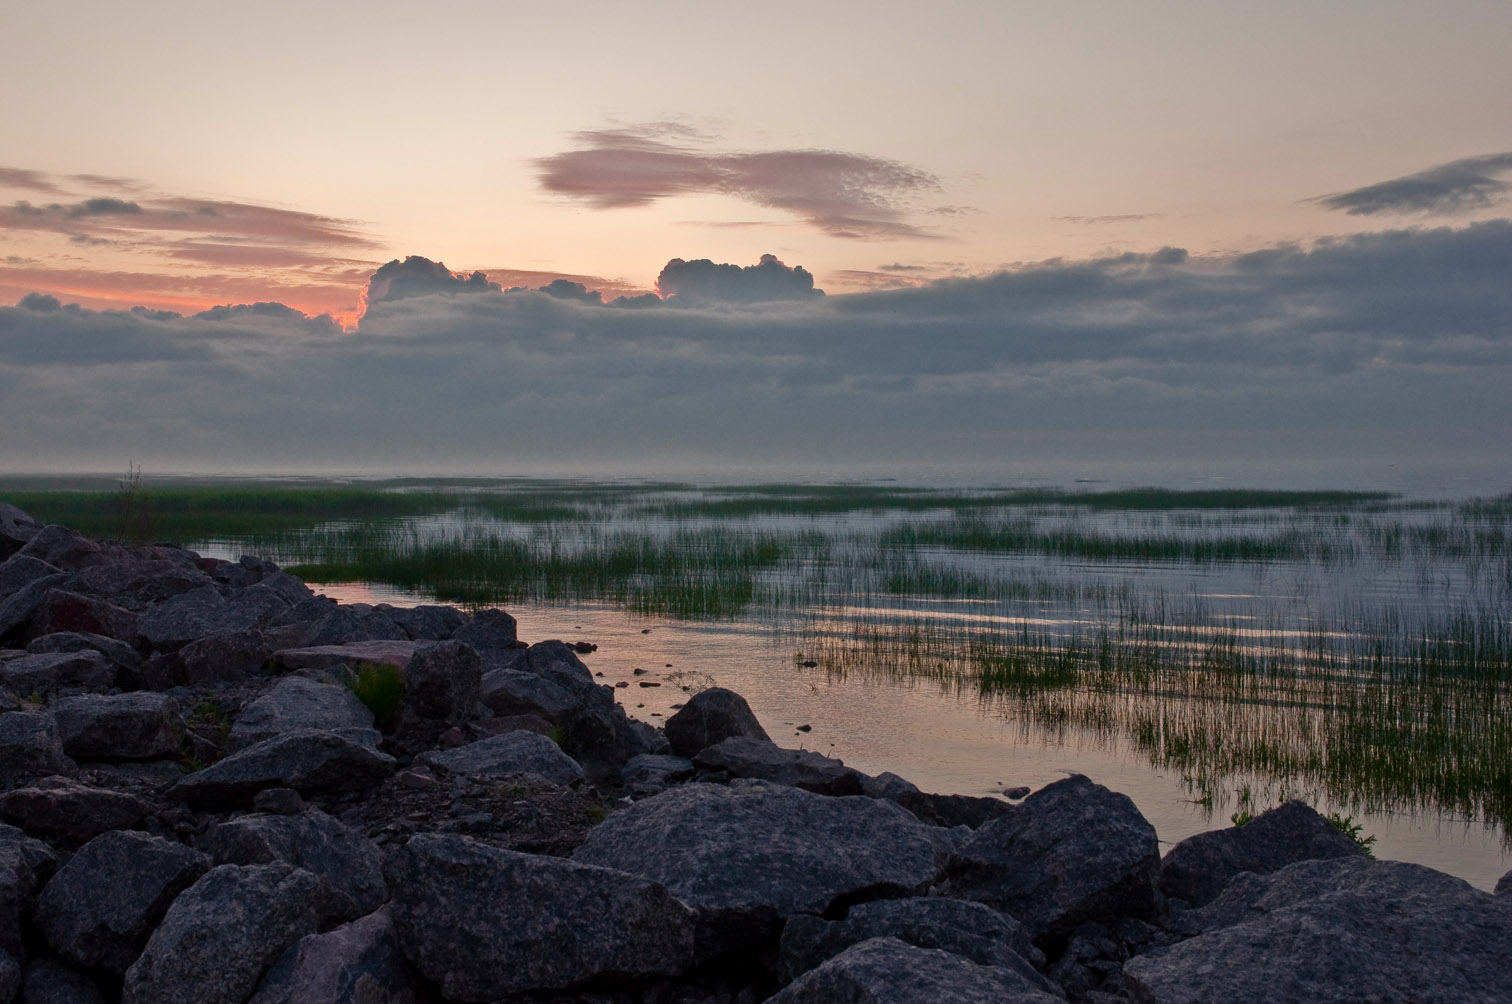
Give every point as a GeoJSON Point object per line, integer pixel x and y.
{"type": "Point", "coordinates": [24, 588]}
{"type": "Point", "coordinates": [1072, 852]}
{"type": "Point", "coordinates": [355, 622]}
{"type": "Point", "coordinates": [174, 623]}
{"type": "Point", "coordinates": [66, 549]}
{"type": "Point", "coordinates": [50, 672]}
{"type": "Point", "coordinates": [25, 866]}
{"type": "Point", "coordinates": [509, 692]}
{"type": "Point", "coordinates": [100, 908]}
{"type": "Point", "coordinates": [352, 654]}
{"type": "Point", "coordinates": [746, 855]}
{"type": "Point", "coordinates": [62, 809]}
{"type": "Point", "coordinates": [709, 717]}
{"type": "Point", "coordinates": [299, 703]}
{"type": "Point", "coordinates": [119, 652]}
{"type": "Point", "coordinates": [10, 976]}
{"type": "Point", "coordinates": [137, 726]}
{"type": "Point", "coordinates": [16, 528]}
{"type": "Point", "coordinates": [425, 623]}
{"type": "Point", "coordinates": [223, 932]}
{"type": "Point", "coordinates": [48, 981]}
{"type": "Point", "coordinates": [30, 747]}
{"type": "Point", "coordinates": [941, 810]}
{"type": "Point", "coordinates": [508, 755]}
{"type": "Point", "coordinates": [483, 922]}
{"type": "Point", "coordinates": [350, 863]}
{"type": "Point", "coordinates": [62, 610]}
{"type": "Point", "coordinates": [1198, 868]}
{"type": "Point", "coordinates": [973, 931]}
{"type": "Point", "coordinates": [491, 633]}
{"type": "Point", "coordinates": [443, 680]}
{"type": "Point", "coordinates": [886, 969]}
{"type": "Point", "coordinates": [357, 963]}
{"type": "Point", "coordinates": [741, 756]}
{"type": "Point", "coordinates": [307, 760]}
{"type": "Point", "coordinates": [1336, 931]}
{"type": "Point", "coordinates": [224, 656]}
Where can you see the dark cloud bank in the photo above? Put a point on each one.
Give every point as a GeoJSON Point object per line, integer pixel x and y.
{"type": "Point", "coordinates": [1389, 345]}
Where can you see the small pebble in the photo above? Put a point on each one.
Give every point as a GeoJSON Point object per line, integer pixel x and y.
{"type": "Point", "coordinates": [805, 728]}
{"type": "Point", "coordinates": [623, 683]}
{"type": "Point", "coordinates": [640, 672]}
{"type": "Point", "coordinates": [648, 683]}
{"type": "Point", "coordinates": [1018, 792]}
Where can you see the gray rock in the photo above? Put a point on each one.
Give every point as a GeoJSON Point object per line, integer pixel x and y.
{"type": "Point", "coordinates": [483, 922]}
{"type": "Point", "coordinates": [886, 969]}
{"type": "Point", "coordinates": [1198, 868]}
{"type": "Point", "coordinates": [941, 810]}
{"type": "Point", "coordinates": [973, 931]}
{"type": "Point", "coordinates": [1504, 885]}
{"type": "Point", "coordinates": [140, 582]}
{"type": "Point", "coordinates": [508, 755]}
{"type": "Point", "coordinates": [51, 672]}
{"type": "Point", "coordinates": [350, 863]}
{"type": "Point", "coordinates": [354, 654]}
{"type": "Point", "coordinates": [355, 622]}
{"type": "Point", "coordinates": [21, 602]}
{"type": "Point", "coordinates": [297, 703]}
{"type": "Point", "coordinates": [599, 736]}
{"type": "Point", "coordinates": [650, 773]}
{"type": "Point", "coordinates": [48, 981]}
{"type": "Point", "coordinates": [357, 963]}
{"type": "Point", "coordinates": [740, 756]}
{"type": "Point", "coordinates": [25, 866]}
{"type": "Point", "coordinates": [16, 528]}
{"type": "Point", "coordinates": [226, 655]}
{"type": "Point", "coordinates": [60, 808]}
{"type": "Point", "coordinates": [1337, 931]}
{"type": "Point", "coordinates": [748, 854]}
{"type": "Point", "coordinates": [65, 548]}
{"type": "Point", "coordinates": [1072, 852]}
{"type": "Point", "coordinates": [100, 908]}
{"type": "Point", "coordinates": [443, 680]}
{"type": "Point", "coordinates": [279, 801]}
{"type": "Point", "coordinates": [221, 933]}
{"type": "Point", "coordinates": [556, 661]}
{"type": "Point", "coordinates": [21, 571]}
{"type": "Point", "coordinates": [306, 760]}
{"type": "Point", "coordinates": [516, 692]}
{"type": "Point", "coordinates": [30, 747]}
{"type": "Point", "coordinates": [425, 623]}
{"type": "Point", "coordinates": [491, 633]}
{"type": "Point", "coordinates": [138, 726]}
{"type": "Point", "coordinates": [174, 623]}
{"type": "Point", "coordinates": [119, 652]}
{"type": "Point", "coordinates": [10, 976]}
{"type": "Point", "coordinates": [711, 716]}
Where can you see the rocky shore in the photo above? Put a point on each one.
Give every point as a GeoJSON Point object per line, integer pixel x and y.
{"type": "Point", "coordinates": [198, 807]}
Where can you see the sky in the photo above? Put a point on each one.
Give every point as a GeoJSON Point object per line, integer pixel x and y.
{"type": "Point", "coordinates": [340, 236]}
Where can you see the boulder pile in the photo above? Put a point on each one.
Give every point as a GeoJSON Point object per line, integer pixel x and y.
{"type": "Point", "coordinates": [198, 807]}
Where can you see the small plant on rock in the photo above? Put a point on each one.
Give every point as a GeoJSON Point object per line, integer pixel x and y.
{"type": "Point", "coordinates": [381, 688]}
{"type": "Point", "coordinates": [1351, 829]}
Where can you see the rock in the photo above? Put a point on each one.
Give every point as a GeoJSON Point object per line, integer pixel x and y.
{"type": "Point", "coordinates": [30, 747]}
{"type": "Point", "coordinates": [740, 756]}
{"type": "Point", "coordinates": [491, 633]}
{"type": "Point", "coordinates": [137, 583]}
{"type": "Point", "coordinates": [20, 603]}
{"type": "Point", "coordinates": [1073, 851]}
{"type": "Point", "coordinates": [748, 854]}
{"type": "Point", "coordinates": [650, 773]}
{"type": "Point", "coordinates": [222, 933]}
{"type": "Point", "coordinates": [1198, 868]}
{"type": "Point", "coordinates": [357, 963]}
{"type": "Point", "coordinates": [10, 976]}
{"type": "Point", "coordinates": [100, 908]}
{"type": "Point", "coordinates": [279, 801]}
{"type": "Point", "coordinates": [425, 623]}
{"type": "Point", "coordinates": [350, 863]}
{"type": "Point", "coordinates": [25, 866]}
{"type": "Point", "coordinates": [137, 726]}
{"type": "Point", "coordinates": [55, 671]}
{"type": "Point", "coordinates": [62, 610]}
{"type": "Point", "coordinates": [1344, 929]}
{"type": "Point", "coordinates": [973, 931]}
{"type": "Point", "coordinates": [123, 655]}
{"type": "Point", "coordinates": [16, 529]}
{"type": "Point", "coordinates": [1504, 885]}
{"type": "Point", "coordinates": [306, 760]}
{"type": "Point", "coordinates": [443, 680]}
{"type": "Point", "coordinates": [709, 717]}
{"type": "Point", "coordinates": [941, 810]}
{"type": "Point", "coordinates": [174, 623]}
{"type": "Point", "coordinates": [886, 969]}
{"type": "Point", "coordinates": [355, 622]}
{"type": "Point", "coordinates": [508, 755]}
{"type": "Point", "coordinates": [513, 692]}
{"type": "Point", "coordinates": [297, 703]}
{"type": "Point", "coordinates": [60, 808]}
{"type": "Point", "coordinates": [483, 922]}
{"type": "Point", "coordinates": [48, 981]}
{"type": "Point", "coordinates": [64, 548]}
{"type": "Point", "coordinates": [226, 655]}
{"type": "Point", "coordinates": [354, 654]}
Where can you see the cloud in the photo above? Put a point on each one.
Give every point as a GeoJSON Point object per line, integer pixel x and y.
{"type": "Point", "coordinates": [1456, 187]}
{"type": "Point", "coordinates": [703, 282]}
{"type": "Point", "coordinates": [841, 194]}
{"type": "Point", "coordinates": [418, 276]}
{"type": "Point", "coordinates": [1101, 220]}
{"type": "Point", "coordinates": [1391, 345]}
{"type": "Point", "coordinates": [566, 289]}
{"type": "Point", "coordinates": [35, 181]}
